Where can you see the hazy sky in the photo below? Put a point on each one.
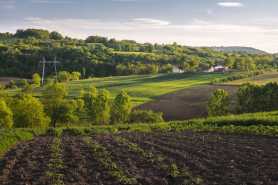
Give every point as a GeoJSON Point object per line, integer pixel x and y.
{"type": "Point", "coordinates": [190, 22]}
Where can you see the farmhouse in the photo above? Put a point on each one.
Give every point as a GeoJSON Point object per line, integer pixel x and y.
{"type": "Point", "coordinates": [176, 69]}
{"type": "Point", "coordinates": [217, 68]}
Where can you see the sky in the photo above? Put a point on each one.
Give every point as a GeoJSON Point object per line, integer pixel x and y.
{"type": "Point", "coordinates": [252, 23]}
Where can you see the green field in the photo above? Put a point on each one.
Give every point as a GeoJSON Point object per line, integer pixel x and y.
{"type": "Point", "coordinates": [144, 88]}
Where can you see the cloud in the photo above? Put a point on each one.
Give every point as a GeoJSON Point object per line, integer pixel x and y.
{"type": "Point", "coordinates": [230, 4]}
{"type": "Point", "coordinates": [149, 21]}
{"type": "Point", "coordinates": [196, 33]}
{"type": "Point", "coordinates": [7, 4]}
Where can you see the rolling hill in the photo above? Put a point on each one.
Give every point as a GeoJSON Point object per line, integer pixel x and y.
{"type": "Point", "coordinates": [238, 49]}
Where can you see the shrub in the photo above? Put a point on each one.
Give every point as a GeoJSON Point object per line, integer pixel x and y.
{"type": "Point", "coordinates": [36, 79]}
{"type": "Point", "coordinates": [145, 116]}
{"type": "Point", "coordinates": [75, 76]}
{"type": "Point", "coordinates": [121, 108]}
{"type": "Point", "coordinates": [102, 108]}
{"type": "Point", "coordinates": [64, 76]}
{"type": "Point", "coordinates": [6, 115]}
{"type": "Point", "coordinates": [218, 104]}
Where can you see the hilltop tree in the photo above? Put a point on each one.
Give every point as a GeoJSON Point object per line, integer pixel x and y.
{"type": "Point", "coordinates": [121, 108]}
{"type": "Point", "coordinates": [55, 35]}
{"type": "Point", "coordinates": [6, 115]}
{"type": "Point", "coordinates": [219, 103]}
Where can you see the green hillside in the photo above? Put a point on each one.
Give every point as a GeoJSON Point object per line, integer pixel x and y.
{"type": "Point", "coordinates": [143, 88]}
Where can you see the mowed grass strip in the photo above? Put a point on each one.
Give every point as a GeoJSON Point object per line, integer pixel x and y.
{"type": "Point", "coordinates": [144, 88]}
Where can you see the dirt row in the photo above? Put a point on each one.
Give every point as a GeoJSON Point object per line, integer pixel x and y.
{"type": "Point", "coordinates": [27, 163]}
{"type": "Point", "coordinates": [218, 158]}
{"type": "Point", "coordinates": [207, 158]}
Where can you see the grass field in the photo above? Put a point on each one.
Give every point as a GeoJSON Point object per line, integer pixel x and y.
{"type": "Point", "coordinates": [144, 88]}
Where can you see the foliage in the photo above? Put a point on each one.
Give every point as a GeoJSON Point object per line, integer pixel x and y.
{"type": "Point", "coordinates": [6, 115]}
{"type": "Point", "coordinates": [102, 108]}
{"type": "Point", "coordinates": [121, 108]}
{"type": "Point", "coordinates": [36, 79]}
{"type": "Point", "coordinates": [90, 102]}
{"type": "Point", "coordinates": [57, 107]}
{"type": "Point", "coordinates": [218, 104]}
{"type": "Point", "coordinates": [29, 112]}
{"type": "Point", "coordinates": [145, 116]}
{"type": "Point", "coordinates": [63, 76]}
{"type": "Point", "coordinates": [100, 56]}
{"type": "Point", "coordinates": [254, 98]}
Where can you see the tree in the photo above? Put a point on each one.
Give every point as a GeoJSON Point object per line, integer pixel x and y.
{"type": "Point", "coordinates": [57, 107]}
{"type": "Point", "coordinates": [64, 111]}
{"type": "Point", "coordinates": [36, 79]}
{"type": "Point", "coordinates": [6, 115]}
{"type": "Point", "coordinates": [55, 36]}
{"type": "Point", "coordinates": [102, 108]}
{"type": "Point", "coordinates": [29, 112]}
{"type": "Point", "coordinates": [64, 76]}
{"type": "Point", "coordinates": [121, 108]}
{"type": "Point", "coordinates": [75, 76]}
{"type": "Point", "coordinates": [219, 103]}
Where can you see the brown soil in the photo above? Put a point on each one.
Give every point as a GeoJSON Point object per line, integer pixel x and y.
{"type": "Point", "coordinates": [27, 163]}
{"type": "Point", "coordinates": [186, 104]}
{"type": "Point", "coordinates": [212, 158]}
{"type": "Point", "coordinates": [133, 164]}
{"type": "Point", "coordinates": [81, 168]}
{"type": "Point", "coordinates": [218, 158]}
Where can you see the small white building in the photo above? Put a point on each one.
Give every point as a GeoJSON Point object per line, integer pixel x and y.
{"type": "Point", "coordinates": [217, 68]}
{"type": "Point", "coordinates": [177, 70]}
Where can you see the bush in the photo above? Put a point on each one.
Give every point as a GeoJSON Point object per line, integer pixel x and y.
{"type": "Point", "coordinates": [145, 116]}
{"type": "Point", "coordinates": [219, 103]}
{"type": "Point", "coordinates": [29, 113]}
{"type": "Point", "coordinates": [6, 115]}
{"type": "Point", "coordinates": [36, 79]}
{"type": "Point", "coordinates": [64, 76]}
{"type": "Point", "coordinates": [121, 108]}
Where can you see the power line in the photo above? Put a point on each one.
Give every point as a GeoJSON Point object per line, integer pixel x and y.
{"type": "Point", "coordinates": [44, 62]}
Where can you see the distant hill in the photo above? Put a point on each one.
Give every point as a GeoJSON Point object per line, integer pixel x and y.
{"type": "Point", "coordinates": [237, 49]}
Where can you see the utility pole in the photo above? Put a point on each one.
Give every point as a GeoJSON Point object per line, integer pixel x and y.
{"type": "Point", "coordinates": [44, 62]}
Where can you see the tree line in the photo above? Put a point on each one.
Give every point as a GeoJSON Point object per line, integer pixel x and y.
{"type": "Point", "coordinates": [21, 52]}
{"type": "Point", "coordinates": [250, 98]}
{"type": "Point", "coordinates": [54, 107]}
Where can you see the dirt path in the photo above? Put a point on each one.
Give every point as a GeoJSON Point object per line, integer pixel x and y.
{"type": "Point", "coordinates": [186, 104]}
{"type": "Point", "coordinates": [27, 163]}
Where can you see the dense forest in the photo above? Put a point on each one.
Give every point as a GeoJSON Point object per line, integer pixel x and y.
{"type": "Point", "coordinates": [21, 53]}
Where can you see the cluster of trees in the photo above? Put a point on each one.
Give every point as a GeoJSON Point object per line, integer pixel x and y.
{"type": "Point", "coordinates": [21, 52]}
{"type": "Point", "coordinates": [250, 98]}
{"type": "Point", "coordinates": [26, 111]}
